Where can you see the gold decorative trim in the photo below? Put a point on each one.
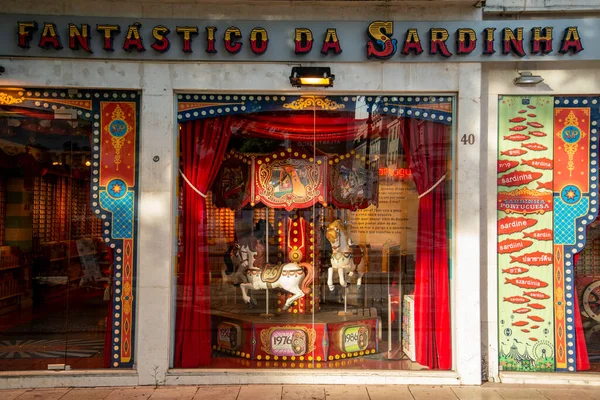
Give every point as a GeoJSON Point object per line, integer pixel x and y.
{"type": "Point", "coordinates": [7, 99]}
{"type": "Point", "coordinates": [525, 191]}
{"type": "Point", "coordinates": [318, 102]}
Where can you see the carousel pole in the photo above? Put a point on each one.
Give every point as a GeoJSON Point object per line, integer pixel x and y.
{"type": "Point", "coordinates": [267, 314]}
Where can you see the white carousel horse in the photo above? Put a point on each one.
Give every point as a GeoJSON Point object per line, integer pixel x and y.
{"type": "Point", "coordinates": [290, 277]}
{"type": "Point", "coordinates": [343, 257]}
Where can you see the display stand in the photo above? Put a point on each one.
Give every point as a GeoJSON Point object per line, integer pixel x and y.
{"type": "Point", "coordinates": [266, 314]}
{"type": "Point", "coordinates": [345, 312]}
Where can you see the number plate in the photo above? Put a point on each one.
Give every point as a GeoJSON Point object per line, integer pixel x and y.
{"type": "Point", "coordinates": [229, 335]}
{"type": "Point", "coordinates": [288, 342]}
{"type": "Point", "coordinates": [354, 338]}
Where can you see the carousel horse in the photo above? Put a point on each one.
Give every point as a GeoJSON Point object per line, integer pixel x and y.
{"type": "Point", "coordinates": [345, 258]}
{"type": "Point", "coordinates": [290, 277]}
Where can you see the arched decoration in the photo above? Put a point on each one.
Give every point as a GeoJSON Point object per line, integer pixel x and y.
{"type": "Point", "coordinates": [428, 108]}
{"type": "Point", "coordinates": [114, 187]}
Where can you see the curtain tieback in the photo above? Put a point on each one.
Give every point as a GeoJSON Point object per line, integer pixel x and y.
{"type": "Point", "coordinates": [190, 184]}
{"type": "Point", "coordinates": [433, 187]}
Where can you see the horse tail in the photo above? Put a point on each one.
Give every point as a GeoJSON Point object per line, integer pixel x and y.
{"type": "Point", "coordinates": [308, 279]}
{"type": "Point", "coordinates": [365, 252]}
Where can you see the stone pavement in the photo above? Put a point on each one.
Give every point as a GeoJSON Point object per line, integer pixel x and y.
{"type": "Point", "coordinates": [311, 392]}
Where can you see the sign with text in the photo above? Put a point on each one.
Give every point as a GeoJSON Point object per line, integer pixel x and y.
{"type": "Point", "coordinates": [284, 41]}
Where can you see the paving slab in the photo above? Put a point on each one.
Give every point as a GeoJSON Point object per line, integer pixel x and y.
{"type": "Point", "coordinates": [346, 392]}
{"type": "Point", "coordinates": [217, 392]}
{"type": "Point", "coordinates": [87, 394]}
{"type": "Point", "coordinates": [11, 394]}
{"type": "Point", "coordinates": [432, 392]}
{"type": "Point", "coordinates": [593, 392]}
{"type": "Point", "coordinates": [174, 393]}
{"type": "Point", "coordinates": [521, 393]}
{"type": "Point", "coordinates": [387, 392]}
{"type": "Point", "coordinates": [138, 393]}
{"type": "Point", "coordinates": [560, 394]}
{"type": "Point", "coordinates": [476, 393]}
{"type": "Point", "coordinates": [262, 392]}
{"type": "Point", "coordinates": [304, 392]}
{"type": "Point", "coordinates": [43, 394]}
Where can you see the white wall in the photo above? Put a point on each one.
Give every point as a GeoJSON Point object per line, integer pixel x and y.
{"type": "Point", "coordinates": [560, 78]}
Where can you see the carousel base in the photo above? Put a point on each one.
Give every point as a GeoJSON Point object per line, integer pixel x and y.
{"type": "Point", "coordinates": [322, 337]}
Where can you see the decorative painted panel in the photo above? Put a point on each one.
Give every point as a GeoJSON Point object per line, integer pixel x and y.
{"type": "Point", "coordinates": [562, 133]}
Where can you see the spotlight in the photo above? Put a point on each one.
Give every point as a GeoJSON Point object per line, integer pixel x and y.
{"type": "Point", "coordinates": [527, 78]}
{"type": "Point", "coordinates": [311, 76]}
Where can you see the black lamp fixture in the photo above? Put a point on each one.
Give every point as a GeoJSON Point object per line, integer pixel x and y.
{"type": "Point", "coordinates": [312, 77]}
{"type": "Point", "coordinates": [527, 78]}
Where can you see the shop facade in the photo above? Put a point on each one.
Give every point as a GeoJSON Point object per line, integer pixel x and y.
{"type": "Point", "coordinates": [186, 321]}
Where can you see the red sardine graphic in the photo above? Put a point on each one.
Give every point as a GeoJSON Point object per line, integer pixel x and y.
{"type": "Point", "coordinates": [517, 119]}
{"type": "Point", "coordinates": [518, 128]}
{"type": "Point", "coordinates": [536, 258]}
{"type": "Point", "coordinates": [526, 282]}
{"type": "Point", "coordinates": [518, 178]}
{"type": "Point", "coordinates": [537, 306]}
{"type": "Point", "coordinates": [537, 133]}
{"type": "Point", "coordinates": [520, 323]}
{"type": "Point", "coordinates": [541, 234]}
{"type": "Point", "coordinates": [515, 270]}
{"type": "Point", "coordinates": [532, 115]}
{"type": "Point", "coordinates": [517, 299]}
{"type": "Point", "coordinates": [534, 326]}
{"type": "Point", "coordinates": [537, 295]}
{"type": "Point", "coordinates": [535, 124]}
{"type": "Point", "coordinates": [539, 163]}
{"type": "Point", "coordinates": [521, 310]}
{"type": "Point", "coordinates": [513, 245]}
{"type": "Point", "coordinates": [522, 111]}
{"type": "Point", "coordinates": [545, 185]}
{"type": "Point", "coordinates": [517, 137]}
{"type": "Point", "coordinates": [505, 165]}
{"type": "Point", "coordinates": [535, 318]}
{"type": "Point", "coordinates": [533, 339]}
{"type": "Point", "coordinates": [534, 146]}
{"type": "Point", "coordinates": [531, 106]}
{"type": "Point", "coordinates": [525, 330]}
{"type": "Point", "coordinates": [513, 152]}
{"type": "Point", "coordinates": [508, 225]}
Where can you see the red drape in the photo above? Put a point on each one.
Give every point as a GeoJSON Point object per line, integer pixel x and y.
{"type": "Point", "coordinates": [425, 146]}
{"type": "Point", "coordinates": [203, 144]}
{"type": "Point", "coordinates": [300, 127]}
{"type": "Point", "coordinates": [583, 362]}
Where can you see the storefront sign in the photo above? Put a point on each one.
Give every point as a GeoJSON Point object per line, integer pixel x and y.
{"type": "Point", "coordinates": [326, 41]}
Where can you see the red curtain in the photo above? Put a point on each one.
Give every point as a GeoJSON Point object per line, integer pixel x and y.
{"type": "Point", "coordinates": [583, 362]}
{"type": "Point", "coordinates": [203, 144]}
{"type": "Point", "coordinates": [425, 147]}
{"type": "Point", "coordinates": [300, 127]}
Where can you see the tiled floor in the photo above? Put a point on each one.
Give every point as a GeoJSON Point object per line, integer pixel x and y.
{"type": "Point", "coordinates": [311, 392]}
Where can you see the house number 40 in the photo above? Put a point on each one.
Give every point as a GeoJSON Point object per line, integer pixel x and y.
{"type": "Point", "coordinates": [468, 139]}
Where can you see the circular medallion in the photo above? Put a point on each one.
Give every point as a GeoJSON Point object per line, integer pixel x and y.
{"type": "Point", "coordinates": [571, 134]}
{"type": "Point", "coordinates": [570, 194]}
{"type": "Point", "coordinates": [118, 128]}
{"type": "Point", "coordinates": [295, 255]}
{"type": "Point", "coordinates": [116, 188]}
{"type": "Point", "coordinates": [591, 300]}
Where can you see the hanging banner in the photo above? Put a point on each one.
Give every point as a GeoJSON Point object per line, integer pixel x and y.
{"type": "Point", "coordinates": [525, 224]}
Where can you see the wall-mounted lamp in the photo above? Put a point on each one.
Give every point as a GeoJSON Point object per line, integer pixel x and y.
{"type": "Point", "coordinates": [312, 76]}
{"type": "Point", "coordinates": [527, 78]}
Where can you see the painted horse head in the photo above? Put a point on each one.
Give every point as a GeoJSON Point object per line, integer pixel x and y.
{"type": "Point", "coordinates": [336, 234]}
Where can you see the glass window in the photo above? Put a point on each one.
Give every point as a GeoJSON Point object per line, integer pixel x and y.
{"type": "Point", "coordinates": [314, 232]}
{"type": "Point", "coordinates": [67, 192]}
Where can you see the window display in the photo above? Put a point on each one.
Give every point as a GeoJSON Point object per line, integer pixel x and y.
{"type": "Point", "coordinates": [313, 232]}
{"type": "Point", "coordinates": [68, 184]}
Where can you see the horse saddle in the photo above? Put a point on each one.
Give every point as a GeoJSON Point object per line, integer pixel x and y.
{"type": "Point", "coordinates": [357, 254]}
{"type": "Point", "coordinates": [271, 273]}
